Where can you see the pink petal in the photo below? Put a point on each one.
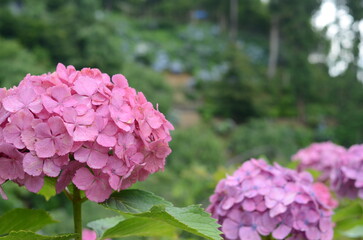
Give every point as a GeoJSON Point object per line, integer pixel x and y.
{"type": "Point", "coordinates": [42, 130]}
{"type": "Point", "coordinates": [34, 184]}
{"type": "Point", "coordinates": [83, 178]}
{"type": "Point", "coordinates": [70, 115]}
{"type": "Point", "coordinates": [49, 104]}
{"type": "Point", "coordinates": [11, 169]}
{"type": "Point", "coordinates": [120, 81]}
{"type": "Point", "coordinates": [228, 203]}
{"type": "Point", "coordinates": [12, 104]}
{"type": "Point", "coordinates": [82, 154]}
{"type": "Point", "coordinates": [50, 168]}
{"type": "Point", "coordinates": [154, 121]}
{"type": "Point", "coordinates": [12, 134]}
{"type": "Point", "coordinates": [99, 190]}
{"type": "Point", "coordinates": [115, 182]}
{"type": "Point", "coordinates": [85, 86]}
{"type": "Point", "coordinates": [106, 141]}
{"type": "Point", "coordinates": [67, 175]}
{"type": "Point", "coordinates": [32, 165]}
{"type": "Point", "coordinates": [36, 106]}
{"type": "Point", "coordinates": [85, 133]}
{"type": "Point", "coordinates": [153, 164]}
{"type": "Point", "coordinates": [247, 233]}
{"type": "Point", "coordinates": [89, 235]}
{"type": "Point", "coordinates": [61, 71]}
{"type": "Point", "coordinates": [279, 208]}
{"type": "Point", "coordinates": [28, 138]}
{"type": "Point", "coordinates": [60, 92]}
{"type": "Point", "coordinates": [45, 148]}
{"type": "Point", "coordinates": [63, 144]}
{"type": "Point", "coordinates": [3, 115]}
{"type": "Point", "coordinates": [56, 125]}
{"type": "Point", "coordinates": [26, 95]}
{"type": "Point", "coordinates": [313, 233]}
{"type": "Point", "coordinates": [281, 231]}
{"type": "Point", "coordinates": [249, 205]}
{"type": "Point", "coordinates": [97, 160]}
{"type": "Point", "coordinates": [230, 229]}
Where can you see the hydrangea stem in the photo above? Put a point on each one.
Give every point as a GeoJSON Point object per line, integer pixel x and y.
{"type": "Point", "coordinates": [77, 212]}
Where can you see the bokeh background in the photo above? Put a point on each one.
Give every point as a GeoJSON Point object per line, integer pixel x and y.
{"type": "Point", "coordinates": [237, 78]}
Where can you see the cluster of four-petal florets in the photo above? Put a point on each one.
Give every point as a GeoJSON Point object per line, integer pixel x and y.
{"type": "Point", "coordinates": [82, 127]}
{"type": "Point", "coordinates": [341, 168]}
{"type": "Point", "coordinates": [264, 200]}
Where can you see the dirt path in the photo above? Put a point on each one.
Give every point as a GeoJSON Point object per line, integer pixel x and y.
{"type": "Point", "coordinates": [185, 109]}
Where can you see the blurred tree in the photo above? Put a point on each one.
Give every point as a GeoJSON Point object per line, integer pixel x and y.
{"type": "Point", "coordinates": [152, 84]}
{"type": "Point", "coordinates": [275, 140]}
{"type": "Point", "coordinates": [196, 145]}
{"type": "Point", "coordinates": [234, 94]}
{"type": "Point", "coordinates": [16, 62]}
{"type": "Point", "coordinates": [290, 49]}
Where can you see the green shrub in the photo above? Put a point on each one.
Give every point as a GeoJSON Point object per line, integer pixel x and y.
{"type": "Point", "coordinates": [151, 83]}
{"type": "Point", "coordinates": [16, 62]}
{"type": "Point", "coordinates": [197, 145]}
{"type": "Point", "coordinates": [275, 140]}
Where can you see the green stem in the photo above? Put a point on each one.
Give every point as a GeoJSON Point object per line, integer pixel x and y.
{"type": "Point", "coordinates": [77, 212]}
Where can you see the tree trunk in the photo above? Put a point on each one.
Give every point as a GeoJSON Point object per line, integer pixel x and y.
{"type": "Point", "coordinates": [274, 47]}
{"type": "Point", "coordinates": [233, 20]}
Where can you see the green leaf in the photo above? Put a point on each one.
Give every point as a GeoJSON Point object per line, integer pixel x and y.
{"type": "Point", "coordinates": [192, 219]}
{"type": "Point", "coordinates": [134, 201]}
{"type": "Point", "coordinates": [48, 189]}
{"type": "Point", "coordinates": [101, 225]}
{"type": "Point", "coordinates": [347, 224]}
{"type": "Point", "coordinates": [27, 235]}
{"type": "Point", "coordinates": [351, 211]}
{"type": "Point", "coordinates": [315, 173]}
{"type": "Point", "coordinates": [142, 227]}
{"type": "Point", "coordinates": [355, 232]}
{"type": "Point", "coordinates": [143, 204]}
{"type": "Point", "coordinates": [24, 219]}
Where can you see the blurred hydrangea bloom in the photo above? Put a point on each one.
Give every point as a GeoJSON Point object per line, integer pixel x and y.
{"type": "Point", "coordinates": [320, 156]}
{"type": "Point", "coordinates": [347, 179]}
{"type": "Point", "coordinates": [82, 127]}
{"type": "Point", "coordinates": [259, 200]}
{"type": "Point", "coordinates": [89, 235]}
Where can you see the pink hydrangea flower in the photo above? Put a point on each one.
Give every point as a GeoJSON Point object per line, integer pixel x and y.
{"type": "Point", "coordinates": [347, 179]}
{"type": "Point", "coordinates": [89, 235]}
{"type": "Point", "coordinates": [320, 156]}
{"type": "Point", "coordinates": [262, 200]}
{"type": "Point", "coordinates": [82, 127]}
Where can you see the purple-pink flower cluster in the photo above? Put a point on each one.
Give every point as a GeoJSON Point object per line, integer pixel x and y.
{"type": "Point", "coordinates": [262, 200]}
{"type": "Point", "coordinates": [82, 127]}
{"type": "Point", "coordinates": [347, 179]}
{"type": "Point", "coordinates": [320, 156]}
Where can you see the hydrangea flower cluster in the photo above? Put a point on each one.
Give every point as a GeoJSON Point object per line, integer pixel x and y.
{"type": "Point", "coordinates": [82, 127]}
{"type": "Point", "coordinates": [347, 179]}
{"type": "Point", "coordinates": [320, 156]}
{"type": "Point", "coordinates": [88, 234]}
{"type": "Point", "coordinates": [260, 200]}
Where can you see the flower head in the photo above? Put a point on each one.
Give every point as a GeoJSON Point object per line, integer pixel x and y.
{"type": "Point", "coordinates": [347, 179]}
{"type": "Point", "coordinates": [81, 127]}
{"type": "Point", "coordinates": [261, 200]}
{"type": "Point", "coordinates": [320, 156]}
